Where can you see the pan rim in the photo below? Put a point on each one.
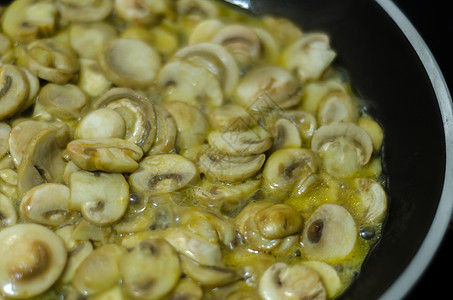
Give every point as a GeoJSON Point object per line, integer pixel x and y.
{"type": "Point", "coordinates": [419, 263]}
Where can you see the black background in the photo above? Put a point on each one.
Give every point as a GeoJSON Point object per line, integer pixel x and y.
{"type": "Point", "coordinates": [434, 21]}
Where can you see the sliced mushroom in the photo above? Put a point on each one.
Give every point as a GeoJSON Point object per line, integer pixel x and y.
{"type": "Point", "coordinates": [65, 102]}
{"type": "Point", "coordinates": [163, 173]}
{"type": "Point", "coordinates": [140, 12]}
{"type": "Point", "coordinates": [86, 231]}
{"type": "Point", "coordinates": [344, 147]}
{"type": "Point", "coordinates": [227, 198]}
{"type": "Point", "coordinates": [372, 200]}
{"type": "Point", "coordinates": [373, 129]}
{"type": "Point", "coordinates": [8, 215]}
{"type": "Point", "coordinates": [91, 79]}
{"type": "Point", "coordinates": [191, 123]}
{"type": "Point", "coordinates": [330, 233]}
{"type": "Point", "coordinates": [279, 220]}
{"type": "Point", "coordinates": [268, 87]}
{"type": "Point", "coordinates": [101, 123]}
{"type": "Point", "coordinates": [231, 117]}
{"type": "Point", "coordinates": [100, 270]}
{"type": "Point", "coordinates": [166, 132]}
{"type": "Point", "coordinates": [179, 80]}
{"type": "Point", "coordinates": [216, 59]}
{"type": "Point", "coordinates": [286, 135]}
{"type": "Point", "coordinates": [32, 261]}
{"type": "Point", "coordinates": [26, 20]}
{"type": "Point", "coordinates": [270, 46]}
{"type": "Point", "coordinates": [253, 141]}
{"type": "Point", "coordinates": [137, 112]}
{"type": "Point", "coordinates": [241, 41]}
{"type": "Point", "coordinates": [86, 11]}
{"type": "Point", "coordinates": [87, 39]}
{"type": "Point", "coordinates": [307, 184]}
{"type": "Point", "coordinates": [112, 155]}
{"type": "Point", "coordinates": [194, 246]}
{"type": "Point", "coordinates": [196, 9]}
{"type": "Point", "coordinates": [309, 56]}
{"type": "Point", "coordinates": [186, 289]}
{"type": "Point", "coordinates": [285, 167]}
{"type": "Point", "coordinates": [329, 276]}
{"type": "Point", "coordinates": [151, 270]}
{"type": "Point", "coordinates": [231, 169]}
{"type": "Point", "coordinates": [129, 62]}
{"type": "Point", "coordinates": [140, 215]}
{"type": "Point", "coordinates": [204, 31]}
{"type": "Point", "coordinates": [305, 123]}
{"type": "Point", "coordinates": [42, 161]}
{"type": "Point", "coordinates": [101, 197]}
{"type": "Point", "coordinates": [315, 91]}
{"type": "Point", "coordinates": [5, 131]}
{"type": "Point", "coordinates": [213, 276]}
{"type": "Point", "coordinates": [336, 106]}
{"type": "Point", "coordinates": [14, 90]}
{"type": "Point", "coordinates": [281, 281]}
{"type": "Point", "coordinates": [46, 204]}
{"type": "Point", "coordinates": [6, 50]}
{"type": "Point", "coordinates": [21, 135]}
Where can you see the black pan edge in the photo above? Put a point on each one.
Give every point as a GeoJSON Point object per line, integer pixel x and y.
{"type": "Point", "coordinates": [443, 214]}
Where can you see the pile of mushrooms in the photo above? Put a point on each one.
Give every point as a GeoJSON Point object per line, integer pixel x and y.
{"type": "Point", "coordinates": [179, 150]}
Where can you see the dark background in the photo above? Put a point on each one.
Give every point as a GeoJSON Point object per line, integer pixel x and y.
{"type": "Point", "coordinates": [434, 22]}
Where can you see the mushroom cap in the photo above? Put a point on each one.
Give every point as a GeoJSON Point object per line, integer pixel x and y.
{"type": "Point", "coordinates": [14, 89]}
{"type": "Point", "coordinates": [32, 257]}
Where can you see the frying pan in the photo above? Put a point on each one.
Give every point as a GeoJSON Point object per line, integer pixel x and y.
{"type": "Point", "coordinates": [391, 67]}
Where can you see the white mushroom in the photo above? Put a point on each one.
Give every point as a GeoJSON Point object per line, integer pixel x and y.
{"type": "Point", "coordinates": [163, 173]}
{"type": "Point", "coordinates": [196, 9]}
{"type": "Point", "coordinates": [336, 106]}
{"type": "Point", "coordinates": [241, 143]}
{"type": "Point", "coordinates": [166, 132]}
{"type": "Point", "coordinates": [305, 123]}
{"type": "Point", "coordinates": [8, 215]}
{"type": "Point", "coordinates": [84, 11]}
{"type": "Point", "coordinates": [101, 197]}
{"type": "Point", "coordinates": [113, 155]}
{"type": "Point", "coordinates": [100, 270]}
{"type": "Point", "coordinates": [87, 39]}
{"type": "Point", "coordinates": [186, 289]}
{"type": "Point", "coordinates": [151, 270]}
{"type": "Point", "coordinates": [279, 220]}
{"type": "Point", "coordinates": [142, 12]}
{"type": "Point", "coordinates": [268, 87]}
{"type": "Point", "coordinates": [129, 62]}
{"type": "Point", "coordinates": [5, 131]}
{"type": "Point", "coordinates": [372, 200]}
{"type": "Point", "coordinates": [101, 123]}
{"type": "Point", "coordinates": [204, 31]}
{"type": "Point", "coordinates": [309, 56]}
{"type": "Point", "coordinates": [330, 233]}
{"type": "Point", "coordinates": [91, 79]}
{"type": "Point", "coordinates": [286, 135]}
{"type": "Point", "coordinates": [283, 282]}
{"type": "Point", "coordinates": [329, 276]}
{"type": "Point", "coordinates": [32, 258]}
{"type": "Point", "coordinates": [14, 89]}
{"type": "Point", "coordinates": [46, 204]}
{"type": "Point", "coordinates": [373, 129]}
{"type": "Point", "coordinates": [231, 117]}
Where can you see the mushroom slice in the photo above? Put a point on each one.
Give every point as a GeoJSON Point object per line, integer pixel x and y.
{"type": "Point", "coordinates": [101, 123]}
{"type": "Point", "coordinates": [279, 220]}
{"type": "Point", "coordinates": [328, 274]}
{"type": "Point", "coordinates": [372, 200]}
{"type": "Point", "coordinates": [84, 11]}
{"type": "Point", "coordinates": [5, 131]}
{"type": "Point", "coordinates": [163, 173]}
{"type": "Point", "coordinates": [213, 276]}
{"type": "Point", "coordinates": [286, 135]}
{"type": "Point", "coordinates": [253, 141]}
{"type": "Point", "coordinates": [166, 132]}
{"type": "Point", "coordinates": [65, 102]}
{"type": "Point", "coordinates": [330, 233]}
{"type": "Point", "coordinates": [227, 198]}
{"type": "Point", "coordinates": [283, 282]}
{"type": "Point", "coordinates": [112, 155]}
{"type": "Point", "coordinates": [268, 87]}
{"type": "Point", "coordinates": [336, 106]}
{"type": "Point", "coordinates": [151, 270]}
{"type": "Point", "coordinates": [25, 20]}
{"type": "Point", "coordinates": [191, 124]}
{"type": "Point", "coordinates": [344, 147]}
{"type": "Point", "coordinates": [241, 41]}
{"type": "Point", "coordinates": [309, 56]}
{"type": "Point", "coordinates": [21, 135]}
{"type": "Point", "coordinates": [8, 215]}
{"type": "Point", "coordinates": [129, 62]}
{"type": "Point", "coordinates": [204, 31]}
{"type": "Point", "coordinates": [50, 60]}
{"type": "Point", "coordinates": [14, 89]}
{"type": "Point", "coordinates": [31, 260]}
{"type": "Point", "coordinates": [87, 39]}
{"type": "Point", "coordinates": [196, 9]}
{"type": "Point", "coordinates": [180, 80]}
{"type": "Point", "coordinates": [140, 215]}
{"type": "Point", "coordinates": [137, 112]}
{"type": "Point", "coordinates": [216, 59]}
{"type": "Point", "coordinates": [42, 161]}
{"type": "Point", "coordinates": [46, 204]}
{"type": "Point", "coordinates": [33, 88]}
{"type": "Point", "coordinates": [305, 123]}
{"type": "Point", "coordinates": [100, 270]}
{"type": "Point", "coordinates": [231, 117]}
{"type": "Point", "coordinates": [186, 289]}
{"type": "Point", "coordinates": [194, 246]}
{"type": "Point", "coordinates": [373, 129]}
{"type": "Point", "coordinates": [140, 12]}
{"type": "Point", "coordinates": [101, 197]}
{"type": "Point", "coordinates": [285, 167]}
{"type": "Point", "coordinates": [231, 169]}
{"type": "Point", "coordinates": [91, 79]}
